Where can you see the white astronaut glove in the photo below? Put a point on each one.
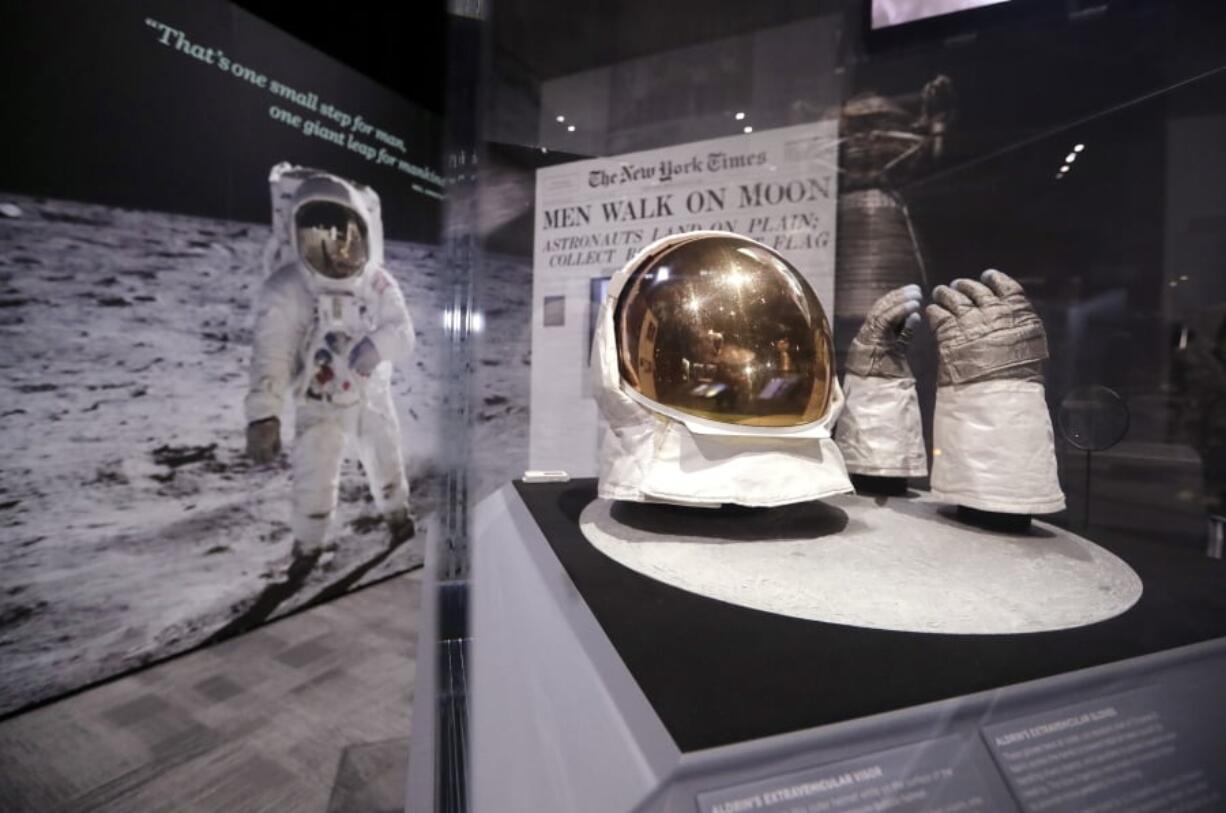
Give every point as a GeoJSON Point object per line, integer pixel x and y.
{"type": "Point", "coordinates": [879, 350]}
{"type": "Point", "coordinates": [880, 433]}
{"type": "Point", "coordinates": [993, 447]}
{"type": "Point", "coordinates": [264, 440]}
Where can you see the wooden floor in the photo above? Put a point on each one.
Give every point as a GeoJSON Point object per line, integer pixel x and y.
{"type": "Point", "coordinates": [310, 713]}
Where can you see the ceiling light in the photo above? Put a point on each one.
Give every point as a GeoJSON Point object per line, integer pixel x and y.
{"type": "Point", "coordinates": [1079, 148]}
{"type": "Point", "coordinates": [570, 128]}
{"type": "Point", "coordinates": [740, 116]}
{"type": "Point", "coordinates": [1064, 168]}
{"type": "Point", "coordinates": [748, 129]}
{"type": "Point", "coordinates": [561, 119]}
{"type": "Point", "coordinates": [1070, 158]}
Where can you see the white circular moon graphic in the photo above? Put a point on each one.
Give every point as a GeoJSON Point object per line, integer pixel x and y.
{"type": "Point", "coordinates": [899, 563]}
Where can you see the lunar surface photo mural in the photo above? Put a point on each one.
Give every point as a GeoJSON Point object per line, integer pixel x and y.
{"type": "Point", "coordinates": [137, 241]}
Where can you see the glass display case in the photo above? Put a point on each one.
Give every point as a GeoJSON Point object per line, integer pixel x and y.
{"type": "Point", "coordinates": [985, 573]}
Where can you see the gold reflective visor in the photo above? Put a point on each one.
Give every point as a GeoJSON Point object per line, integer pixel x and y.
{"type": "Point", "coordinates": [722, 328]}
{"type": "Point", "coordinates": [331, 239]}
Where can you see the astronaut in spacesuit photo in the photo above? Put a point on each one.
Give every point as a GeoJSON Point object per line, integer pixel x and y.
{"type": "Point", "coordinates": [331, 323]}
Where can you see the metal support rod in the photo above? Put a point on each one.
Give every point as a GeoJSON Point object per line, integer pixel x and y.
{"type": "Point", "coordinates": [1217, 536]}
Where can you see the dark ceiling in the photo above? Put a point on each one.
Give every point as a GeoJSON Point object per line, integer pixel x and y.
{"type": "Point", "coordinates": [403, 45]}
{"type": "Point", "coordinates": [552, 39]}
{"type": "Point", "coordinates": [400, 45]}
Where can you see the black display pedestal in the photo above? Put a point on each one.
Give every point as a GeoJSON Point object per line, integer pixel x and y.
{"type": "Point", "coordinates": [595, 688]}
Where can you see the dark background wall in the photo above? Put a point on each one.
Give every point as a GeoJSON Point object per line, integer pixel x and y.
{"type": "Point", "coordinates": [100, 111]}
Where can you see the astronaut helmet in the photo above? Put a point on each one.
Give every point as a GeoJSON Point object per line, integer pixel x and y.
{"type": "Point", "coordinates": [332, 238]}
{"type": "Point", "coordinates": [332, 235]}
{"type": "Point", "coordinates": [714, 368]}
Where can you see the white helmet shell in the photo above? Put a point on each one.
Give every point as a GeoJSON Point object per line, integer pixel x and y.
{"type": "Point", "coordinates": [292, 186]}
{"type": "Point", "coordinates": [652, 453]}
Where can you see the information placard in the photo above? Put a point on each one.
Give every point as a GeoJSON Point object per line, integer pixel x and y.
{"type": "Point", "coordinates": [1143, 750]}
{"type": "Point", "coordinates": [948, 775]}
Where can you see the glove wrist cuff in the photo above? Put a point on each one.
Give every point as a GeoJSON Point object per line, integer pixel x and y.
{"type": "Point", "coordinates": [1022, 371]}
{"type": "Point", "coordinates": [1009, 354]}
{"type": "Point", "coordinates": [880, 432]}
{"type": "Point", "coordinates": [996, 448]}
{"type": "Point", "coordinates": [876, 361]}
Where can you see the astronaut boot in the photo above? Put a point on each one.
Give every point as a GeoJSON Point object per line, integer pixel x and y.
{"type": "Point", "coordinates": [327, 559]}
{"type": "Point", "coordinates": [400, 527]}
{"type": "Point", "coordinates": [303, 560]}
{"type": "Point", "coordinates": [294, 567]}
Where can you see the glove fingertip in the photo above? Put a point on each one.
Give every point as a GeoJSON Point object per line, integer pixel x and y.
{"type": "Point", "coordinates": [912, 320]}
{"type": "Point", "coordinates": [937, 314]}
